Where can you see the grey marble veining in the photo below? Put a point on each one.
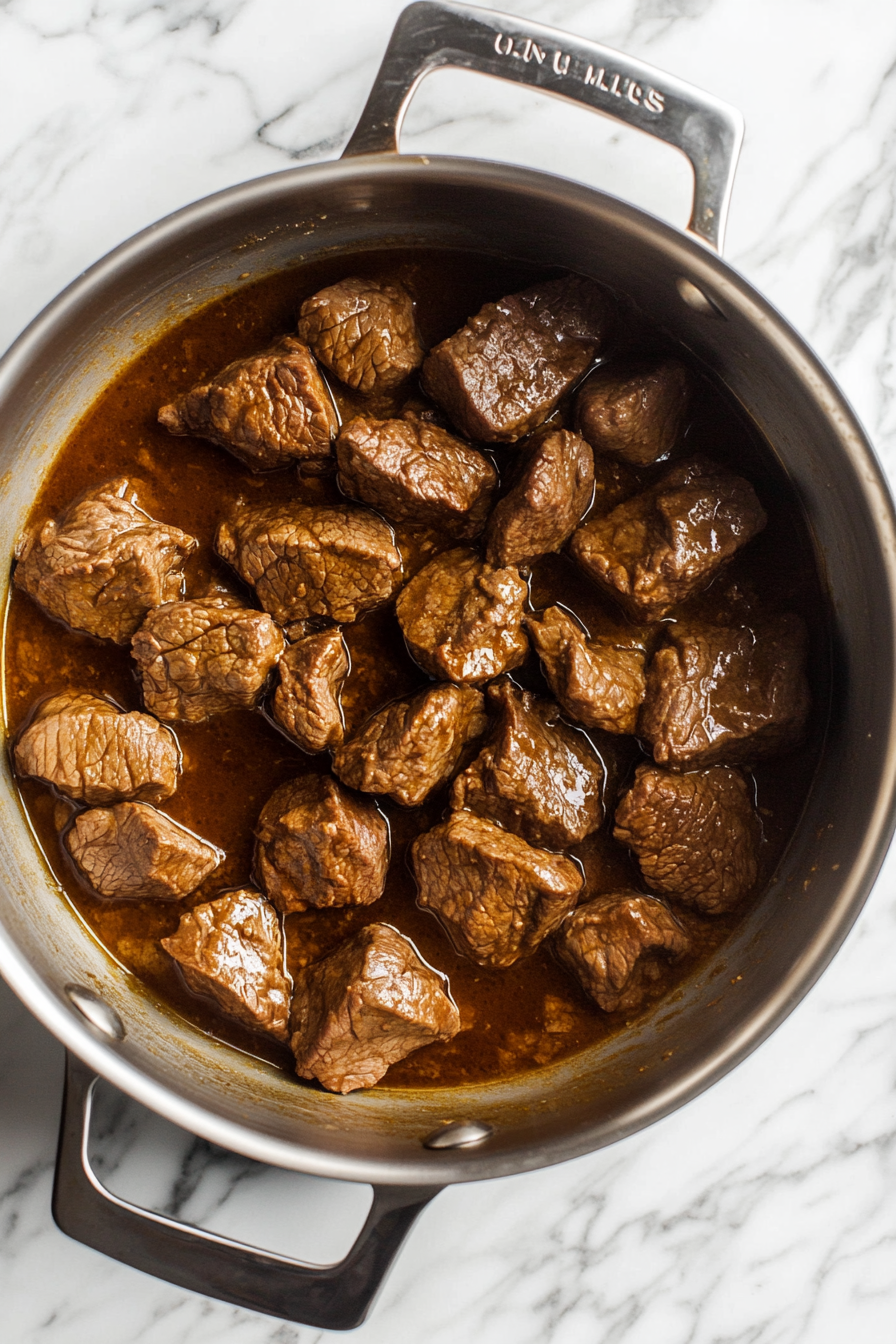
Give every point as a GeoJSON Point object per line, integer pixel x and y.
{"type": "Point", "coordinates": [765, 1211]}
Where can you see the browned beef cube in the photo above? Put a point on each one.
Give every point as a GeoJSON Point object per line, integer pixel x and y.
{"type": "Point", "coordinates": [599, 682]}
{"type": "Point", "coordinates": [721, 694]}
{"type": "Point", "coordinates": [536, 776]}
{"type": "Point", "coordinates": [231, 950]}
{"type": "Point", "coordinates": [269, 410]}
{"type": "Point", "coordinates": [659, 548]}
{"type": "Point", "coordinates": [613, 944]}
{"type": "Point", "coordinates": [103, 563]}
{"type": "Point", "coordinates": [546, 502]}
{"type": "Point", "coordinates": [416, 472]}
{"type": "Point", "coordinates": [364, 332]}
{"type": "Point", "coordinates": [312, 560]}
{"type": "Point", "coordinates": [368, 1004]}
{"type": "Point", "coordinates": [462, 618]}
{"type": "Point", "coordinates": [91, 751]}
{"type": "Point", "coordinates": [696, 835]}
{"type": "Point", "coordinates": [319, 845]}
{"type": "Point", "coordinates": [503, 373]}
{"type": "Point", "coordinates": [203, 657]}
{"type": "Point", "coordinates": [496, 895]}
{"type": "Point", "coordinates": [634, 412]}
{"type": "Point", "coordinates": [413, 746]}
{"type": "Point", "coordinates": [306, 702]}
{"type": "Point", "coordinates": [132, 852]}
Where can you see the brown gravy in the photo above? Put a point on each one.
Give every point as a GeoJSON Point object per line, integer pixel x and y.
{"type": "Point", "coordinates": [234, 762]}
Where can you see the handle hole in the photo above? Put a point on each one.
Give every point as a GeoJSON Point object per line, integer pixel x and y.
{"type": "Point", "coordinates": [149, 1162]}
{"type": "Point", "coordinates": [462, 113]}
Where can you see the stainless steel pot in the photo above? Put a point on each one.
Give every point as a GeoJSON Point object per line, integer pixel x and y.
{"type": "Point", "coordinates": [397, 1140]}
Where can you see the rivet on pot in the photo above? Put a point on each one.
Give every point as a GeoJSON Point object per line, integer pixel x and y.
{"type": "Point", "coordinates": [696, 299]}
{"type": "Point", "coordinates": [458, 1134]}
{"type": "Point", "coordinates": [97, 1012]}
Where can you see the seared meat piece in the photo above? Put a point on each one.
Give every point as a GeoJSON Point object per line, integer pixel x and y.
{"type": "Point", "coordinates": [664, 545]}
{"type": "Point", "coordinates": [306, 702]}
{"type": "Point", "coordinates": [600, 682]}
{"type": "Point", "coordinates": [133, 852]}
{"type": "Point", "coordinates": [536, 776]}
{"type": "Point", "coordinates": [462, 618]}
{"type": "Point", "coordinates": [368, 1004]}
{"type": "Point", "coordinates": [546, 502]}
{"type": "Point", "coordinates": [497, 896]}
{"type": "Point", "coordinates": [103, 563]}
{"type": "Point", "coordinates": [203, 657]}
{"type": "Point", "coordinates": [612, 944]}
{"type": "Point", "coordinates": [634, 412]}
{"type": "Point", "coordinates": [413, 746]}
{"type": "Point", "coordinates": [364, 332]}
{"type": "Point", "coordinates": [696, 835]}
{"type": "Point", "coordinates": [93, 752]}
{"type": "Point", "coordinates": [503, 373]}
{"type": "Point", "coordinates": [269, 410]}
{"type": "Point", "coordinates": [319, 845]}
{"type": "Point", "coordinates": [416, 472]}
{"type": "Point", "coordinates": [231, 949]}
{"type": "Point", "coordinates": [717, 694]}
{"type": "Point", "coordinates": [312, 560]}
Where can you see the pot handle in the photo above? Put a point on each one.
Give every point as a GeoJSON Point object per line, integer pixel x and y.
{"type": "Point", "coordinates": [435, 34]}
{"type": "Point", "coordinates": [330, 1297]}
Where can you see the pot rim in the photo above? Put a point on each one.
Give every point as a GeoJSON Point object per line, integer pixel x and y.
{"type": "Point", "coordinates": [721, 280]}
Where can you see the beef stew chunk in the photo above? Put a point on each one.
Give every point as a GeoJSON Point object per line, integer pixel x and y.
{"type": "Point", "coordinates": [269, 410]}
{"type": "Point", "coordinates": [415, 472]}
{"type": "Point", "coordinates": [306, 701]}
{"type": "Point", "coordinates": [368, 1004]}
{"type": "Point", "coordinates": [462, 618]}
{"type": "Point", "coordinates": [669, 542]}
{"type": "Point", "coordinates": [599, 682]}
{"type": "Point", "coordinates": [719, 694]}
{"type": "Point", "coordinates": [203, 657]}
{"type": "Point", "coordinates": [317, 845]}
{"type": "Point", "coordinates": [503, 373]}
{"type": "Point", "coordinates": [536, 776]}
{"type": "Point", "coordinates": [544, 506]}
{"type": "Point", "coordinates": [93, 752]}
{"type": "Point", "coordinates": [613, 944]}
{"type": "Point", "coordinates": [104, 563]}
{"type": "Point", "coordinates": [634, 412]}
{"type": "Point", "coordinates": [132, 852]}
{"type": "Point", "coordinates": [413, 746]}
{"type": "Point", "coordinates": [497, 896]}
{"type": "Point", "coordinates": [312, 560]}
{"type": "Point", "coordinates": [696, 836]}
{"type": "Point", "coordinates": [364, 332]}
{"type": "Point", "coordinates": [231, 950]}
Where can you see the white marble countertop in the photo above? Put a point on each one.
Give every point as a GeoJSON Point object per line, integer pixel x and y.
{"type": "Point", "coordinates": [765, 1211]}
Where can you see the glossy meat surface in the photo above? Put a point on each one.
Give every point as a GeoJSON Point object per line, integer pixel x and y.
{"type": "Point", "coordinates": [319, 845]}
{"type": "Point", "coordinates": [611, 945]}
{"type": "Point", "coordinates": [664, 545]}
{"type": "Point", "coordinates": [306, 701]}
{"type": "Point", "coordinates": [411, 747]}
{"type": "Point", "coordinates": [303, 561]}
{"type": "Point", "coordinates": [497, 896]}
{"type": "Point", "coordinates": [599, 682]}
{"type": "Point", "coordinates": [462, 618]}
{"type": "Point", "coordinates": [415, 472]}
{"type": "Point", "coordinates": [203, 657]}
{"type": "Point", "coordinates": [545, 504]}
{"type": "Point", "coordinates": [364, 332]}
{"type": "Point", "coordinates": [92, 752]}
{"type": "Point", "coordinates": [696, 836]}
{"type": "Point", "coordinates": [132, 852]}
{"type": "Point", "coordinates": [535, 776]}
{"type": "Point", "coordinates": [366, 1006]}
{"type": "Point", "coordinates": [635, 413]}
{"type": "Point", "coordinates": [269, 410]}
{"type": "Point", "coordinates": [104, 563]}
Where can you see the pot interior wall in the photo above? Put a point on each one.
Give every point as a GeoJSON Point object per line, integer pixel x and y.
{"type": "Point", "coordinates": [97, 326]}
